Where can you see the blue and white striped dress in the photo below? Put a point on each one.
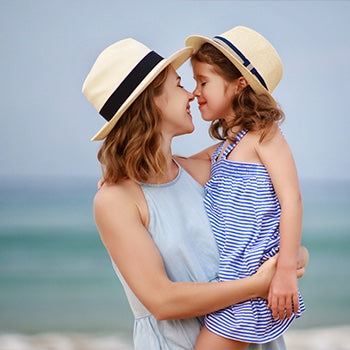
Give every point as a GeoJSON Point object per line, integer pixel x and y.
{"type": "Point", "coordinates": [244, 212]}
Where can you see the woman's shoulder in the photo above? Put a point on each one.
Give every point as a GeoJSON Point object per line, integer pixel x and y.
{"type": "Point", "coordinates": [120, 193]}
{"type": "Point", "coordinates": [125, 197]}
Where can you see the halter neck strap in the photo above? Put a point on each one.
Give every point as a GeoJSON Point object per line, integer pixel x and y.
{"type": "Point", "coordinates": [232, 145]}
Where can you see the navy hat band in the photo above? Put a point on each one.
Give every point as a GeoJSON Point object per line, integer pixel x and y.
{"type": "Point", "coordinates": [239, 55]}
{"type": "Point", "coordinates": [129, 84]}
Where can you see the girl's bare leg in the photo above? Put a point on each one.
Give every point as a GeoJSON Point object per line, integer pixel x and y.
{"type": "Point", "coordinates": [209, 341]}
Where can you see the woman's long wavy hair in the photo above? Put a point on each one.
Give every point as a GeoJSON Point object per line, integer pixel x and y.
{"type": "Point", "coordinates": [132, 148]}
{"type": "Point", "coordinates": [252, 111]}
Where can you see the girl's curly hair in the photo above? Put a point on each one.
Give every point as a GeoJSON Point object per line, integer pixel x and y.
{"type": "Point", "coordinates": [252, 111]}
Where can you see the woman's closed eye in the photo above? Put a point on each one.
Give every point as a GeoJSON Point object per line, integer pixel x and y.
{"type": "Point", "coordinates": [178, 79]}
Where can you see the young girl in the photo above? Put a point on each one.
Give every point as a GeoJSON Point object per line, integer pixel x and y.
{"type": "Point", "coordinates": [253, 198]}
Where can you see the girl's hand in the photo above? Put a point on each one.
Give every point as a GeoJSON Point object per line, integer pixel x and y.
{"type": "Point", "coordinates": [267, 270]}
{"type": "Point", "coordinates": [283, 295]}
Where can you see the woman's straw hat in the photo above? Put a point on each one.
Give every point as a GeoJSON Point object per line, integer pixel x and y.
{"type": "Point", "coordinates": [120, 74]}
{"type": "Point", "coordinates": [250, 52]}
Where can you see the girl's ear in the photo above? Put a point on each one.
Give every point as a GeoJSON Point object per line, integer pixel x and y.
{"type": "Point", "coordinates": [242, 83]}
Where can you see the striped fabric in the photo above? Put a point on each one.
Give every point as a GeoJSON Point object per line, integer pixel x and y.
{"type": "Point", "coordinates": [244, 212]}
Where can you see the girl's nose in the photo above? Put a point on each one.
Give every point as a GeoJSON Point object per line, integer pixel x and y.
{"type": "Point", "coordinates": [195, 92]}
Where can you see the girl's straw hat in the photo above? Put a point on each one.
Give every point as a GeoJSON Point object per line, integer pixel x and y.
{"type": "Point", "coordinates": [251, 54]}
{"type": "Point", "coordinates": [120, 74]}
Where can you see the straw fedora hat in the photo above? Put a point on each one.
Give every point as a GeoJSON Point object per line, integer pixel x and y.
{"type": "Point", "coordinates": [250, 52]}
{"type": "Point", "coordinates": [120, 74]}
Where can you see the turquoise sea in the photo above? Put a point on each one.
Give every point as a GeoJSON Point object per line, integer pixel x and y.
{"type": "Point", "coordinates": [56, 280]}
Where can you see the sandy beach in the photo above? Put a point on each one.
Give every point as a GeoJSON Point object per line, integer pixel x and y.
{"type": "Point", "coordinates": [56, 341]}
{"type": "Point", "coordinates": [337, 338]}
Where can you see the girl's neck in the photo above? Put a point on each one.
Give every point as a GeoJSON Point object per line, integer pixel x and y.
{"type": "Point", "coordinates": [230, 117]}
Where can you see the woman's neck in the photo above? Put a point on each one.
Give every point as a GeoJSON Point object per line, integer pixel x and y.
{"type": "Point", "coordinates": [171, 169]}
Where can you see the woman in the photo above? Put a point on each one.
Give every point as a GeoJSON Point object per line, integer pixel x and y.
{"type": "Point", "coordinates": [150, 211]}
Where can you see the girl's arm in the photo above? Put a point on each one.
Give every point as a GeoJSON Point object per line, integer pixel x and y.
{"type": "Point", "coordinates": [277, 157]}
{"type": "Point", "coordinates": [198, 165]}
{"type": "Point", "coordinates": [199, 169]}
{"type": "Point", "coordinates": [206, 154]}
{"type": "Point", "coordinates": [121, 216]}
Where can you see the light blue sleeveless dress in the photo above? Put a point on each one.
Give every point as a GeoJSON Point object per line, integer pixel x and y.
{"type": "Point", "coordinates": [244, 213]}
{"type": "Point", "coordinates": [180, 229]}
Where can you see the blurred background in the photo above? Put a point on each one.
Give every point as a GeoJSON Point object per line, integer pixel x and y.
{"type": "Point", "coordinates": [57, 286]}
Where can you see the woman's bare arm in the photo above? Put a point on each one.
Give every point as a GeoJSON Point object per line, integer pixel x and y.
{"type": "Point", "coordinates": [119, 215]}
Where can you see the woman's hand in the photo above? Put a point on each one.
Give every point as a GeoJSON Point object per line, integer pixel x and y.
{"type": "Point", "coordinates": [265, 273]}
{"type": "Point", "coordinates": [100, 183]}
{"type": "Point", "coordinates": [303, 260]}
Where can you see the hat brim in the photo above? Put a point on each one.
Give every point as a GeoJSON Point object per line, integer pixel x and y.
{"type": "Point", "coordinates": [176, 60]}
{"type": "Point", "coordinates": [196, 41]}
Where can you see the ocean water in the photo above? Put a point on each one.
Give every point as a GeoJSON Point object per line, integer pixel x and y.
{"type": "Point", "coordinates": [58, 289]}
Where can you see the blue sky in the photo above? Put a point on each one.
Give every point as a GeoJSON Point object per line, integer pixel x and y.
{"type": "Point", "coordinates": [48, 47]}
